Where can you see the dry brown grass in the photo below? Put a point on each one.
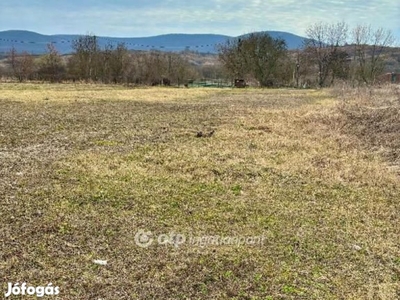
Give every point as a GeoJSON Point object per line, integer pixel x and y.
{"type": "Point", "coordinates": [372, 116]}
{"type": "Point", "coordinates": [84, 170]}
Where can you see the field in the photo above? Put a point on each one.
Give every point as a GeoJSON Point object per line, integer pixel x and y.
{"type": "Point", "coordinates": [237, 194]}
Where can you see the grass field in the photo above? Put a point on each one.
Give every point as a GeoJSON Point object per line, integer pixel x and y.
{"type": "Point", "coordinates": [85, 168]}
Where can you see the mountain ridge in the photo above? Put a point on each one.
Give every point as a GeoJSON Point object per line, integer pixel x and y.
{"type": "Point", "coordinates": [36, 43]}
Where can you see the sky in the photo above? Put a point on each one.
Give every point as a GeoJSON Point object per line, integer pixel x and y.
{"type": "Point", "coordinates": [139, 18]}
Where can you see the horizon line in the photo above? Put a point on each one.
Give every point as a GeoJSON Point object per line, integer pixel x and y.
{"type": "Point", "coordinates": [149, 36]}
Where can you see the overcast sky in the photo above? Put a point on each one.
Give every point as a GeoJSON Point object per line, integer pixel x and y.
{"type": "Point", "coordinates": [135, 18]}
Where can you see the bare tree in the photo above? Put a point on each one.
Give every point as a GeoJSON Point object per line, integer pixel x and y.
{"type": "Point", "coordinates": [51, 65]}
{"type": "Point", "coordinates": [231, 58]}
{"type": "Point", "coordinates": [119, 63]}
{"type": "Point", "coordinates": [302, 66]}
{"type": "Point", "coordinates": [85, 61]}
{"type": "Point", "coordinates": [323, 45]}
{"type": "Point", "coordinates": [113, 63]}
{"type": "Point", "coordinates": [179, 69]}
{"type": "Point", "coordinates": [22, 65]}
{"type": "Point", "coordinates": [369, 47]}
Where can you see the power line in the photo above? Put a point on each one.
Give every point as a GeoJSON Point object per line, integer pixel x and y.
{"type": "Point", "coordinates": [111, 41]}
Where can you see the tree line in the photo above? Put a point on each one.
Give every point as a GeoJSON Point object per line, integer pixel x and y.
{"type": "Point", "coordinates": [330, 52]}
{"type": "Point", "coordinates": [110, 64]}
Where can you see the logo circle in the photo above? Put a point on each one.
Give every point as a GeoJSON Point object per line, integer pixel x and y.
{"type": "Point", "coordinates": [143, 238]}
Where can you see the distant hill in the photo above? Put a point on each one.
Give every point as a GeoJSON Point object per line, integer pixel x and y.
{"type": "Point", "coordinates": [35, 43]}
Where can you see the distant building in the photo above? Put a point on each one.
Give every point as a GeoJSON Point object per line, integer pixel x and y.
{"type": "Point", "coordinates": [390, 78]}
